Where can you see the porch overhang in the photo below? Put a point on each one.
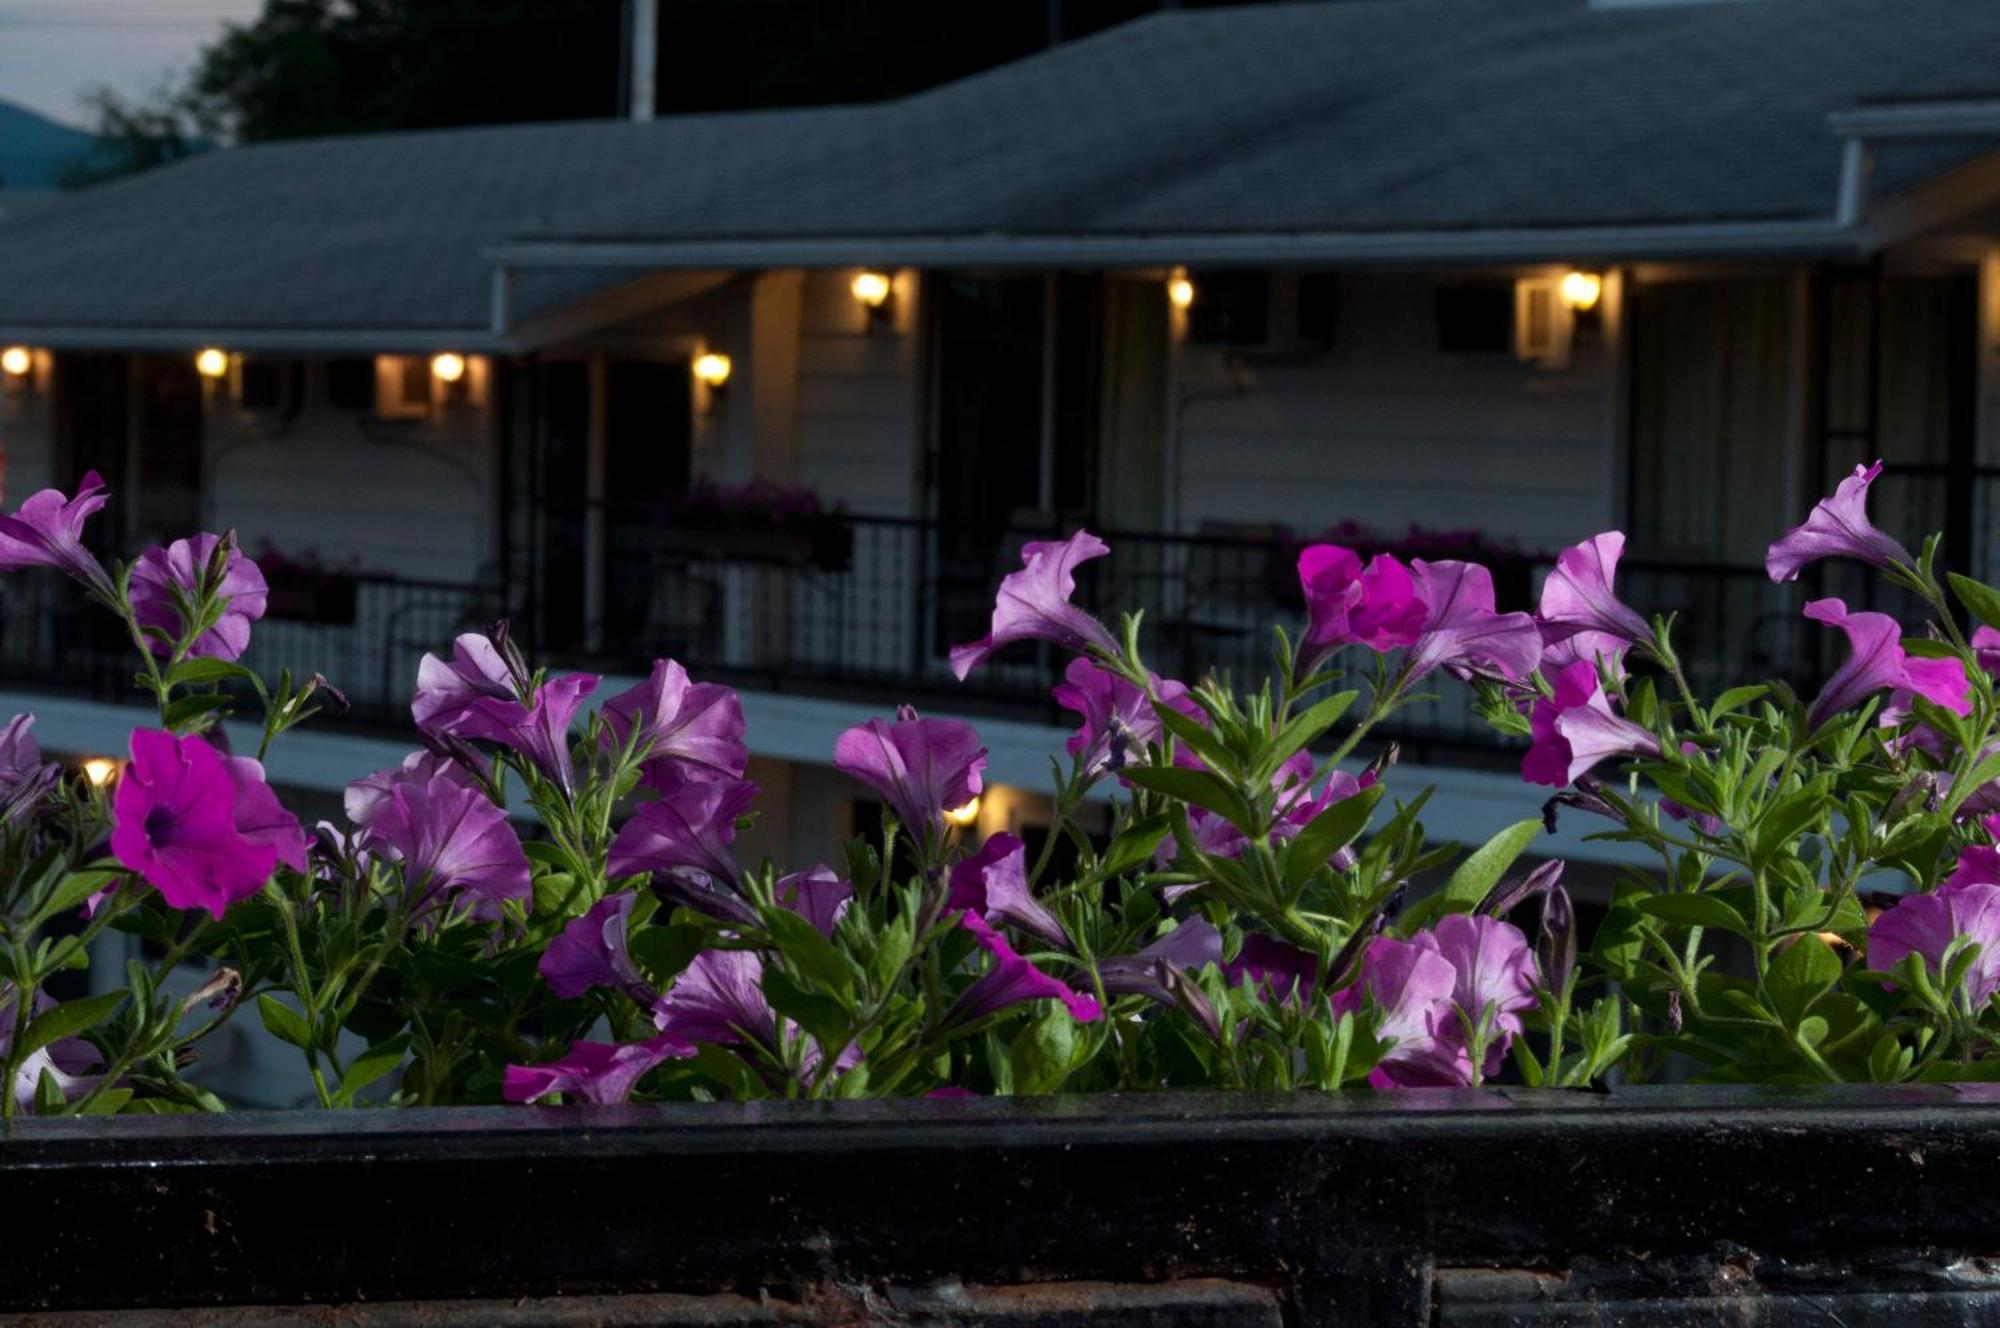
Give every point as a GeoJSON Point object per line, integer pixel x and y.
{"type": "Point", "coordinates": [261, 340]}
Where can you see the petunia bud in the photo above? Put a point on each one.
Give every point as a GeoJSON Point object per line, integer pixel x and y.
{"type": "Point", "coordinates": [1507, 896]}
{"type": "Point", "coordinates": [1556, 946]}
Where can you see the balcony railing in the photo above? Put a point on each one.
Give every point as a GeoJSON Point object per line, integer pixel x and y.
{"type": "Point", "coordinates": [871, 616]}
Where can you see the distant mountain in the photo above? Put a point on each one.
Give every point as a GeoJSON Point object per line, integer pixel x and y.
{"type": "Point", "coordinates": [34, 148]}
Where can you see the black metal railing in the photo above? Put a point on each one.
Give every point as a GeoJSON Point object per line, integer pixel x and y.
{"type": "Point", "coordinates": [873, 613]}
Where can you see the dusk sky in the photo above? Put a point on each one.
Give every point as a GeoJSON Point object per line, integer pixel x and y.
{"type": "Point", "coordinates": [54, 51]}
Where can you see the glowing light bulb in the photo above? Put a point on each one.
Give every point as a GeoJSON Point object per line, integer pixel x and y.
{"type": "Point", "coordinates": [871, 288]}
{"type": "Point", "coordinates": [448, 367]}
{"type": "Point", "coordinates": [100, 771]}
{"type": "Point", "coordinates": [1580, 290]}
{"type": "Point", "coordinates": [712, 369]}
{"type": "Point", "coordinates": [1180, 290]}
{"type": "Point", "coordinates": [963, 816]}
{"type": "Point", "coordinates": [212, 363]}
{"type": "Point", "coordinates": [15, 361]}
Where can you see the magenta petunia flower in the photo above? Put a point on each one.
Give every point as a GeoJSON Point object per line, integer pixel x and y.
{"type": "Point", "coordinates": [1410, 986]}
{"type": "Point", "coordinates": [720, 999]}
{"type": "Point", "coordinates": [1930, 924]}
{"type": "Point", "coordinates": [688, 830]}
{"type": "Point", "coordinates": [993, 883]}
{"type": "Point", "coordinates": [1838, 527]}
{"type": "Point", "coordinates": [1577, 597]}
{"type": "Point", "coordinates": [1583, 647]}
{"type": "Point", "coordinates": [1119, 721]}
{"type": "Point", "coordinates": [1576, 728]}
{"type": "Point", "coordinates": [47, 531]}
{"type": "Point", "coordinates": [693, 730]}
{"type": "Point", "coordinates": [818, 895]}
{"type": "Point", "coordinates": [1878, 661]}
{"type": "Point", "coordinates": [1462, 633]}
{"type": "Point", "coordinates": [922, 768]}
{"type": "Point", "coordinates": [591, 952]}
{"type": "Point", "coordinates": [1495, 975]}
{"type": "Point", "coordinates": [1033, 604]}
{"type": "Point", "coordinates": [25, 779]}
{"type": "Point", "coordinates": [475, 695]}
{"type": "Point", "coordinates": [543, 735]}
{"type": "Point", "coordinates": [449, 838]}
{"type": "Point", "coordinates": [163, 578]}
{"type": "Point", "coordinates": [203, 831]}
{"type": "Point", "coordinates": [366, 795]}
{"type": "Point", "coordinates": [1377, 605]}
{"type": "Point", "coordinates": [600, 1073]}
{"type": "Point", "coordinates": [1011, 981]}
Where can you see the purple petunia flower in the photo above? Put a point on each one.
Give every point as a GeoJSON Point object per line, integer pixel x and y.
{"type": "Point", "coordinates": [449, 838]}
{"type": "Point", "coordinates": [591, 952]}
{"type": "Point", "coordinates": [689, 830]}
{"type": "Point", "coordinates": [25, 779]}
{"type": "Point", "coordinates": [1494, 976]}
{"type": "Point", "coordinates": [475, 695]}
{"type": "Point", "coordinates": [366, 795]}
{"type": "Point", "coordinates": [1576, 728]}
{"type": "Point", "coordinates": [1033, 604]}
{"type": "Point", "coordinates": [993, 883]}
{"type": "Point", "coordinates": [47, 531]}
{"type": "Point", "coordinates": [164, 578]}
{"type": "Point", "coordinates": [1577, 597]}
{"type": "Point", "coordinates": [1462, 633]}
{"type": "Point", "coordinates": [203, 830]}
{"type": "Point", "coordinates": [1838, 527]}
{"type": "Point", "coordinates": [543, 733]}
{"type": "Point", "coordinates": [922, 768]}
{"type": "Point", "coordinates": [1377, 605]}
{"type": "Point", "coordinates": [818, 895]}
{"type": "Point", "coordinates": [1279, 970]}
{"type": "Point", "coordinates": [1467, 970]}
{"type": "Point", "coordinates": [693, 730]}
{"type": "Point", "coordinates": [1878, 661]}
{"type": "Point", "coordinates": [1192, 945]}
{"type": "Point", "coordinates": [601, 1073]}
{"type": "Point", "coordinates": [1119, 721]}
{"type": "Point", "coordinates": [1986, 648]}
{"type": "Point", "coordinates": [1930, 924]}
{"type": "Point", "coordinates": [1012, 981]}
{"type": "Point", "coordinates": [720, 999]}
{"type": "Point", "coordinates": [68, 1061]}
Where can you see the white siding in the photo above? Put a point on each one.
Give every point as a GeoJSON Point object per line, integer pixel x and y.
{"type": "Point", "coordinates": [858, 427]}
{"type": "Point", "coordinates": [1387, 430]}
{"type": "Point", "coordinates": [413, 498]}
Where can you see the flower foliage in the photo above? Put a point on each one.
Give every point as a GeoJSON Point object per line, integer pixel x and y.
{"type": "Point", "coordinates": [557, 896]}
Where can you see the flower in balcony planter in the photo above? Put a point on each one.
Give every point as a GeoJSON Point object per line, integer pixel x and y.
{"type": "Point", "coordinates": [1469, 972]}
{"type": "Point", "coordinates": [543, 735]}
{"type": "Point", "coordinates": [692, 730]}
{"type": "Point", "coordinates": [184, 573]}
{"type": "Point", "coordinates": [47, 531]}
{"type": "Point", "coordinates": [477, 694]}
{"type": "Point", "coordinates": [1838, 527]}
{"type": "Point", "coordinates": [1935, 925]}
{"type": "Point", "coordinates": [1155, 970]}
{"type": "Point", "coordinates": [688, 830]}
{"type": "Point", "coordinates": [1878, 661]}
{"type": "Point", "coordinates": [1297, 804]}
{"type": "Point", "coordinates": [1576, 728]}
{"type": "Point", "coordinates": [818, 895]}
{"type": "Point", "coordinates": [1119, 721]}
{"type": "Point", "coordinates": [1986, 649]}
{"type": "Point", "coordinates": [1577, 598]}
{"type": "Point", "coordinates": [67, 1061]}
{"type": "Point", "coordinates": [1463, 633]}
{"type": "Point", "coordinates": [720, 1000]}
{"type": "Point", "coordinates": [202, 829]}
{"type": "Point", "coordinates": [1280, 971]}
{"type": "Point", "coordinates": [25, 778]}
{"type": "Point", "coordinates": [993, 883]}
{"type": "Point", "coordinates": [365, 796]}
{"type": "Point", "coordinates": [450, 839]}
{"type": "Point", "coordinates": [1012, 981]}
{"type": "Point", "coordinates": [601, 1073]}
{"type": "Point", "coordinates": [1033, 604]}
{"type": "Point", "coordinates": [591, 952]}
{"type": "Point", "coordinates": [1376, 605]}
{"type": "Point", "coordinates": [921, 768]}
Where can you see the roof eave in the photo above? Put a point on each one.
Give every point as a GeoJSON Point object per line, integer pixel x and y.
{"type": "Point", "coordinates": [273, 340]}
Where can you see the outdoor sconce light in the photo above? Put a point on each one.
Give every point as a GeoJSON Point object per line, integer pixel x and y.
{"type": "Point", "coordinates": [448, 368]}
{"type": "Point", "coordinates": [212, 363]}
{"type": "Point", "coordinates": [1580, 290]}
{"type": "Point", "coordinates": [100, 771]}
{"type": "Point", "coordinates": [1180, 290]}
{"type": "Point", "coordinates": [873, 290]}
{"type": "Point", "coordinates": [712, 370]}
{"type": "Point", "coordinates": [963, 816]}
{"type": "Point", "coordinates": [15, 361]}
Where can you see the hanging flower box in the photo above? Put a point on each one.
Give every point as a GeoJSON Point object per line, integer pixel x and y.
{"type": "Point", "coordinates": [753, 522]}
{"type": "Point", "coordinates": [304, 587]}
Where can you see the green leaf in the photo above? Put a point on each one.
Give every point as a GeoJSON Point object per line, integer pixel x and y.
{"type": "Point", "coordinates": [284, 1023]}
{"type": "Point", "coordinates": [74, 889]}
{"type": "Point", "coordinates": [196, 672]}
{"type": "Point", "coordinates": [1786, 819]}
{"type": "Point", "coordinates": [49, 1099]}
{"type": "Point", "coordinates": [1693, 910]}
{"type": "Point", "coordinates": [1134, 846]}
{"type": "Point", "coordinates": [1196, 787]}
{"type": "Point", "coordinates": [1805, 971]}
{"type": "Point", "coordinates": [69, 1019]}
{"type": "Point", "coordinates": [810, 953]}
{"type": "Point", "coordinates": [663, 952]}
{"type": "Point", "coordinates": [822, 1016]}
{"type": "Point", "coordinates": [1197, 738]}
{"type": "Point", "coordinates": [108, 1103]}
{"type": "Point", "coordinates": [1982, 774]}
{"type": "Point", "coordinates": [371, 1065]}
{"type": "Point", "coordinates": [1041, 1052]}
{"type": "Point", "coordinates": [1980, 600]}
{"type": "Point", "coordinates": [1304, 729]}
{"type": "Point", "coordinates": [1736, 698]}
{"type": "Point", "coordinates": [1327, 833]}
{"type": "Point", "coordinates": [1488, 863]}
{"type": "Point", "coordinates": [184, 714]}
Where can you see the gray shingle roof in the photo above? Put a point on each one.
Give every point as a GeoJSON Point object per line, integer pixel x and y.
{"type": "Point", "coordinates": [1367, 116]}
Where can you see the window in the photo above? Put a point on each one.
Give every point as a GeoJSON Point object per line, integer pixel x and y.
{"type": "Point", "coordinates": [1475, 317]}
{"type": "Point", "coordinates": [350, 384]}
{"type": "Point", "coordinates": [1230, 309]}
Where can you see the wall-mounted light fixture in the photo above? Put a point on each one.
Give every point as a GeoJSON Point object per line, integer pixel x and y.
{"type": "Point", "coordinates": [16, 361]}
{"type": "Point", "coordinates": [448, 367]}
{"type": "Point", "coordinates": [712, 370]}
{"type": "Point", "coordinates": [212, 362]}
{"type": "Point", "coordinates": [873, 290]}
{"type": "Point", "coordinates": [965, 815]}
{"type": "Point", "coordinates": [1180, 290]}
{"type": "Point", "coordinates": [1581, 290]}
{"type": "Point", "coordinates": [100, 771]}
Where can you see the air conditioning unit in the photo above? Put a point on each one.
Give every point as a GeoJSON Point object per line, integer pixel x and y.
{"type": "Point", "coordinates": [1544, 326]}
